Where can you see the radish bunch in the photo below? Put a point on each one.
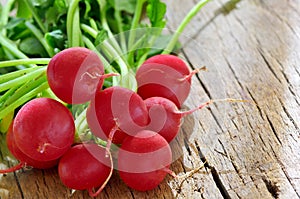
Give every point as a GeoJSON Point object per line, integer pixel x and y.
{"type": "Point", "coordinates": [140, 124]}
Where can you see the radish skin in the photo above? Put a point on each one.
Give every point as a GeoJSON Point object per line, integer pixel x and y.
{"type": "Point", "coordinates": [144, 160]}
{"type": "Point", "coordinates": [165, 76]}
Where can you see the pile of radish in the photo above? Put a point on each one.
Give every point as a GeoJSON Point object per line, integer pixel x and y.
{"type": "Point", "coordinates": [139, 124]}
{"type": "Point", "coordinates": [102, 92]}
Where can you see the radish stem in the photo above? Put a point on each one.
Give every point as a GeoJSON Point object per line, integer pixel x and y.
{"type": "Point", "coordinates": [26, 61]}
{"type": "Point", "coordinates": [183, 24]}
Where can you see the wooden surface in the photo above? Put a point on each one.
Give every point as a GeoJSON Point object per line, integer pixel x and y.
{"type": "Point", "coordinates": [252, 51]}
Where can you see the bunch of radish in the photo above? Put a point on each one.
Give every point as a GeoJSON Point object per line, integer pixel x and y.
{"type": "Point", "coordinates": [140, 124]}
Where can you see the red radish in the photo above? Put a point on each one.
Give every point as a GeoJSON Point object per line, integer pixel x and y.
{"type": "Point", "coordinates": [85, 166]}
{"type": "Point", "coordinates": [74, 74]}
{"type": "Point", "coordinates": [160, 107]}
{"type": "Point", "coordinates": [163, 106]}
{"type": "Point", "coordinates": [115, 113]}
{"type": "Point", "coordinates": [144, 160]}
{"type": "Point", "coordinates": [24, 159]}
{"type": "Point", "coordinates": [44, 129]}
{"type": "Point", "coordinates": [165, 76]}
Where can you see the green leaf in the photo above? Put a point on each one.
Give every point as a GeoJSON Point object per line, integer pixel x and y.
{"type": "Point", "coordinates": [14, 22]}
{"type": "Point", "coordinates": [51, 16]}
{"type": "Point", "coordinates": [16, 29]}
{"type": "Point", "coordinates": [88, 8]}
{"type": "Point", "coordinates": [156, 11]}
{"type": "Point", "coordinates": [32, 46]}
{"type": "Point", "coordinates": [42, 3]}
{"type": "Point", "coordinates": [101, 36]}
{"type": "Point", "coordinates": [55, 39]}
{"type": "Point", "coordinates": [127, 6]}
{"type": "Point", "coordinates": [60, 6]}
{"type": "Point", "coordinates": [23, 11]}
{"type": "Point", "coordinates": [54, 12]}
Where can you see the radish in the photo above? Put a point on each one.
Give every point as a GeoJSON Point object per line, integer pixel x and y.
{"type": "Point", "coordinates": [160, 107]}
{"type": "Point", "coordinates": [144, 160]}
{"type": "Point", "coordinates": [165, 76]}
{"type": "Point", "coordinates": [74, 74]}
{"type": "Point", "coordinates": [85, 166]}
{"type": "Point", "coordinates": [24, 159]}
{"type": "Point", "coordinates": [44, 129]}
{"type": "Point", "coordinates": [115, 113]}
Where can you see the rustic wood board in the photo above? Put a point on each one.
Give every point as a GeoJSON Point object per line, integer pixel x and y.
{"type": "Point", "coordinates": [252, 51]}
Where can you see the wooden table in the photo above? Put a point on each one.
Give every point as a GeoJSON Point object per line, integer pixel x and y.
{"type": "Point", "coordinates": [236, 150]}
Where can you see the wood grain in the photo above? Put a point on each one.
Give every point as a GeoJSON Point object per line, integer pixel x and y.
{"type": "Point", "coordinates": [237, 150]}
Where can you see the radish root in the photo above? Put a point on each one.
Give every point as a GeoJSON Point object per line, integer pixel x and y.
{"type": "Point", "coordinates": [94, 194]}
{"type": "Point", "coordinates": [14, 168]}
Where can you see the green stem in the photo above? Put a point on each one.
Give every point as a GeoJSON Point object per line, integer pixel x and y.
{"type": "Point", "coordinates": [144, 56]}
{"type": "Point", "coordinates": [89, 30]}
{"type": "Point", "coordinates": [100, 142]}
{"type": "Point", "coordinates": [79, 120]}
{"type": "Point", "coordinates": [121, 31]}
{"type": "Point", "coordinates": [106, 64]}
{"type": "Point", "coordinates": [39, 35]}
{"type": "Point", "coordinates": [93, 24]}
{"type": "Point", "coordinates": [15, 62]}
{"type": "Point", "coordinates": [135, 46]}
{"type": "Point", "coordinates": [135, 22]}
{"type": "Point", "coordinates": [108, 49]}
{"type": "Point", "coordinates": [7, 94]}
{"type": "Point", "coordinates": [91, 46]}
{"type": "Point", "coordinates": [113, 42]}
{"type": "Point", "coordinates": [13, 49]}
{"type": "Point", "coordinates": [35, 15]}
{"type": "Point", "coordinates": [25, 88]}
{"type": "Point", "coordinates": [15, 74]}
{"type": "Point", "coordinates": [82, 133]}
{"type": "Point", "coordinates": [182, 25]}
{"type": "Point", "coordinates": [112, 53]}
{"type": "Point", "coordinates": [76, 36]}
{"type": "Point", "coordinates": [10, 56]}
{"type": "Point", "coordinates": [23, 99]}
{"type": "Point", "coordinates": [70, 20]}
{"type": "Point", "coordinates": [20, 80]}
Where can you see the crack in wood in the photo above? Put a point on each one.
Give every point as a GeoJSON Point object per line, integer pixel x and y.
{"type": "Point", "coordinates": [288, 114]}
{"type": "Point", "coordinates": [186, 145]}
{"type": "Point", "coordinates": [223, 147]}
{"type": "Point", "coordinates": [272, 187]}
{"type": "Point", "coordinates": [219, 183]}
{"type": "Point", "coordinates": [233, 72]}
{"type": "Point", "coordinates": [256, 103]}
{"type": "Point", "coordinates": [214, 173]}
{"type": "Point", "coordinates": [289, 179]}
{"type": "Point", "coordinates": [290, 85]}
{"type": "Point", "coordinates": [131, 193]}
{"type": "Point", "coordinates": [273, 129]}
{"type": "Point", "coordinates": [268, 64]}
{"type": "Point", "coordinates": [19, 185]}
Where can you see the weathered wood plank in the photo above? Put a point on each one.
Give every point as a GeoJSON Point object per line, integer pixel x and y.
{"type": "Point", "coordinates": [251, 50]}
